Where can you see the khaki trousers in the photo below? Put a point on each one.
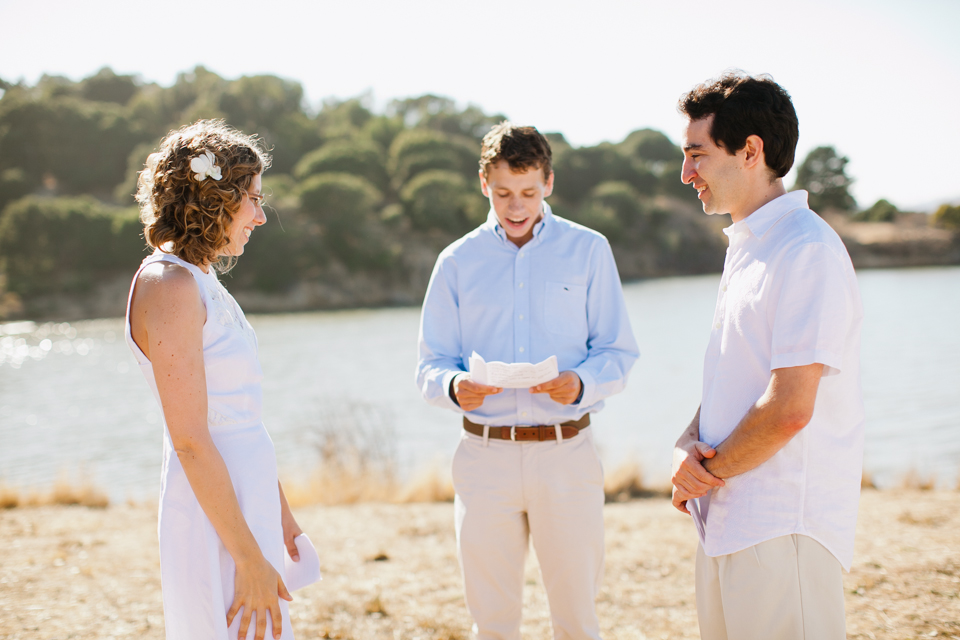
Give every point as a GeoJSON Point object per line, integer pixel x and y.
{"type": "Point", "coordinates": [787, 588]}
{"type": "Point", "coordinates": [509, 491]}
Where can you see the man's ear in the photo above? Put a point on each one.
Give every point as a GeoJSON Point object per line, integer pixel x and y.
{"type": "Point", "coordinates": [484, 189]}
{"type": "Point", "coordinates": [548, 187]}
{"type": "Point", "coordinates": [753, 150]}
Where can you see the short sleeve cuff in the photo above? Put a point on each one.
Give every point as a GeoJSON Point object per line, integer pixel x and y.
{"type": "Point", "coordinates": [589, 390]}
{"type": "Point", "coordinates": [831, 361]}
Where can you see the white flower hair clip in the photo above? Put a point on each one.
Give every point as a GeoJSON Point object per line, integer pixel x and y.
{"type": "Point", "coordinates": [203, 166]}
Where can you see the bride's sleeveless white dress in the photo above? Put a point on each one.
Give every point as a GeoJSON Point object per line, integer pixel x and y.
{"type": "Point", "coordinates": [196, 570]}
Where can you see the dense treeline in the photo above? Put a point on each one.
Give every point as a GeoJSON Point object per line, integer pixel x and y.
{"type": "Point", "coordinates": [357, 193]}
{"type": "Point", "coordinates": [363, 200]}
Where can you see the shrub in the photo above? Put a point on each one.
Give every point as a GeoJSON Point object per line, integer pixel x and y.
{"type": "Point", "coordinates": [947, 217]}
{"type": "Point", "coordinates": [417, 150]}
{"type": "Point", "coordinates": [622, 199]}
{"type": "Point", "coordinates": [443, 200]}
{"type": "Point", "coordinates": [580, 170]}
{"type": "Point", "coordinates": [650, 146]}
{"type": "Point", "coordinates": [356, 157]}
{"type": "Point", "coordinates": [345, 207]}
{"type": "Point", "coordinates": [881, 211]}
{"type": "Point", "coordinates": [49, 245]}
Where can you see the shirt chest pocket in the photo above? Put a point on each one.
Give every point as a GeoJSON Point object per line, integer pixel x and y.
{"type": "Point", "coordinates": [565, 309]}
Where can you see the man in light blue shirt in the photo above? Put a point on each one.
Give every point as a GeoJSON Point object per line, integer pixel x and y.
{"type": "Point", "coordinates": [522, 287]}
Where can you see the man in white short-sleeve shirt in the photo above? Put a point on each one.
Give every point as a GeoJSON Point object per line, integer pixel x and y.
{"type": "Point", "coordinates": [770, 466]}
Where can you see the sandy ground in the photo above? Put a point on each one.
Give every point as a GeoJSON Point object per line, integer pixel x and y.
{"type": "Point", "coordinates": [391, 572]}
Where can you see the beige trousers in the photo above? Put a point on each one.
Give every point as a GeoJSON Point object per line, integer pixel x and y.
{"type": "Point", "coordinates": [552, 492]}
{"type": "Point", "coordinates": [787, 588]}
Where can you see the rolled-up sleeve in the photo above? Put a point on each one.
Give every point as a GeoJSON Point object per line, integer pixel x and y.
{"type": "Point", "coordinates": [611, 347]}
{"type": "Point", "coordinates": [439, 348]}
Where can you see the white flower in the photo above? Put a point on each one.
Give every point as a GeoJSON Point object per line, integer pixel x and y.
{"type": "Point", "coordinates": [203, 166]}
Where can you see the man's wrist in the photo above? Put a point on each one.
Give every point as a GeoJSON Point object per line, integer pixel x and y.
{"type": "Point", "coordinates": [451, 390]}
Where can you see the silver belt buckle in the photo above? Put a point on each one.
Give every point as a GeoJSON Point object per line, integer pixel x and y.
{"type": "Point", "coordinates": [513, 433]}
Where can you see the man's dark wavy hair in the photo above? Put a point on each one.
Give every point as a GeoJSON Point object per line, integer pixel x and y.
{"type": "Point", "coordinates": [742, 106]}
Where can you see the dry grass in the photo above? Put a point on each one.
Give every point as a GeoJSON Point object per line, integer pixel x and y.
{"type": "Point", "coordinates": [626, 483]}
{"type": "Point", "coordinates": [70, 572]}
{"type": "Point", "coordinates": [914, 480]}
{"type": "Point", "coordinates": [9, 496]}
{"type": "Point", "coordinates": [339, 484]}
{"type": "Point", "coordinates": [431, 485]}
{"type": "Point", "coordinates": [66, 491]}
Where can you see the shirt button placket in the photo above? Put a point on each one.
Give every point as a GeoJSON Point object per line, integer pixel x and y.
{"type": "Point", "coordinates": [521, 328]}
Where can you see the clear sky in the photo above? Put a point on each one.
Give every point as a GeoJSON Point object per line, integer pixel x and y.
{"type": "Point", "coordinates": [878, 79]}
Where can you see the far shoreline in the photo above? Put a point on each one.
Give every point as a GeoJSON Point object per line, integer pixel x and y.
{"type": "Point", "coordinates": [71, 307]}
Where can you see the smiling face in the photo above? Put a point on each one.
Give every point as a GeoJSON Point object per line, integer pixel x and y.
{"type": "Point", "coordinates": [718, 176]}
{"type": "Point", "coordinates": [516, 198]}
{"type": "Point", "coordinates": [250, 215]}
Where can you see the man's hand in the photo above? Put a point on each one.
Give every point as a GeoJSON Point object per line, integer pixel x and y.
{"type": "Point", "coordinates": [563, 389]}
{"type": "Point", "coordinates": [689, 478]}
{"type": "Point", "coordinates": [470, 394]}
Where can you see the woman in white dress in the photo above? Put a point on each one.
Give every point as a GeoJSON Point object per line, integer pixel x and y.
{"type": "Point", "coordinates": [224, 523]}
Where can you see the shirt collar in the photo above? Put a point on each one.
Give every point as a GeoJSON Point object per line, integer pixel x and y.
{"type": "Point", "coordinates": [540, 230]}
{"type": "Point", "coordinates": [763, 219]}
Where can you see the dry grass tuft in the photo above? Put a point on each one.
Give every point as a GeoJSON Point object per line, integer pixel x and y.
{"type": "Point", "coordinates": [431, 485]}
{"type": "Point", "coordinates": [866, 480]}
{"type": "Point", "coordinates": [375, 607]}
{"type": "Point", "coordinates": [626, 483]}
{"type": "Point", "coordinates": [441, 630]}
{"type": "Point", "coordinates": [83, 493]}
{"type": "Point", "coordinates": [66, 491]}
{"type": "Point", "coordinates": [913, 480]}
{"type": "Point", "coordinates": [334, 485]}
{"type": "Point", "coordinates": [357, 451]}
{"type": "Point", "coordinates": [9, 496]}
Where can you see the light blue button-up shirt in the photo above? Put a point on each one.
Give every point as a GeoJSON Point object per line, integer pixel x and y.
{"type": "Point", "coordinates": [559, 295]}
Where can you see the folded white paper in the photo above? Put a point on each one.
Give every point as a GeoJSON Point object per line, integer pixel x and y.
{"type": "Point", "coordinates": [304, 572]}
{"type": "Point", "coordinates": [517, 375]}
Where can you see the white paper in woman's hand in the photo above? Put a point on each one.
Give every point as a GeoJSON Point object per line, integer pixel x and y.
{"type": "Point", "coordinates": [304, 572]}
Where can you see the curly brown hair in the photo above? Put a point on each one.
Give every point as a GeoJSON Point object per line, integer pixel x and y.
{"type": "Point", "coordinates": [190, 218]}
{"type": "Point", "coordinates": [522, 148]}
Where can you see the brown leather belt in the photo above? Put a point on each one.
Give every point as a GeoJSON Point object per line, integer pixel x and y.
{"type": "Point", "coordinates": [530, 433]}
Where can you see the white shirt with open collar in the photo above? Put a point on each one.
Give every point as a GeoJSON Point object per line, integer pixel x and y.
{"type": "Point", "coordinates": [788, 297]}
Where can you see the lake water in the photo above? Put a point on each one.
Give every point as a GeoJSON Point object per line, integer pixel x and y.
{"type": "Point", "coordinates": [72, 399]}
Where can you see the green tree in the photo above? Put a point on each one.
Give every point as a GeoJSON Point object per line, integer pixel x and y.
{"type": "Point", "coordinates": [417, 150]}
{"type": "Point", "coordinates": [440, 199]}
{"type": "Point", "coordinates": [382, 131]}
{"type": "Point", "coordinates": [77, 145]}
{"type": "Point", "coordinates": [621, 199]}
{"type": "Point", "coordinates": [13, 185]}
{"type": "Point", "coordinates": [650, 147]}
{"type": "Point", "coordinates": [343, 119]}
{"type": "Point", "coordinates": [106, 86]}
{"type": "Point", "coordinates": [579, 170]}
{"type": "Point", "coordinates": [345, 206]}
{"type": "Point", "coordinates": [823, 174]}
{"type": "Point", "coordinates": [880, 211]}
{"type": "Point", "coordinates": [441, 114]}
{"type": "Point", "coordinates": [948, 217]}
{"type": "Point", "coordinates": [356, 157]}
{"type": "Point", "coordinates": [272, 108]}
{"type": "Point", "coordinates": [48, 245]}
